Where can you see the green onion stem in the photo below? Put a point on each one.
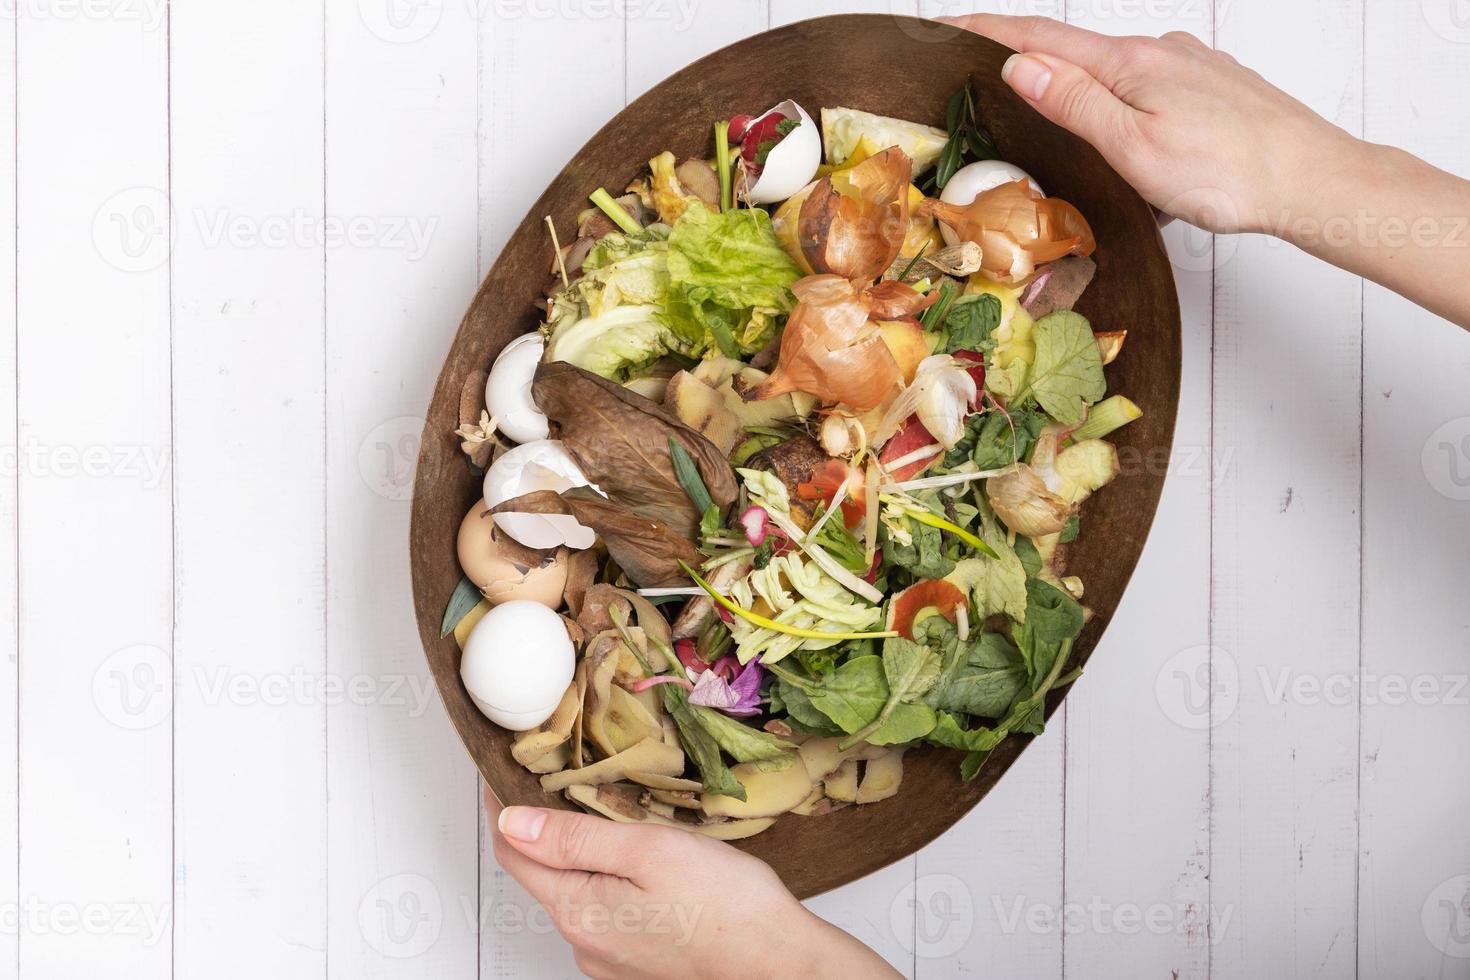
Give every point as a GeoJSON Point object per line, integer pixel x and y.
{"type": "Point", "coordinates": [614, 210]}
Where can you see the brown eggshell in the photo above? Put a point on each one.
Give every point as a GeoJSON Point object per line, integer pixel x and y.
{"type": "Point", "coordinates": [486, 563]}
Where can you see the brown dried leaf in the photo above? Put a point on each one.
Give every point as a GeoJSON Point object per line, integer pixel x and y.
{"type": "Point", "coordinates": [620, 440]}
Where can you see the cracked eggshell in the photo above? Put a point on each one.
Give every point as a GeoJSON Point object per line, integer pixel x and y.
{"type": "Point", "coordinates": [539, 465]}
{"type": "Point", "coordinates": [517, 663]}
{"type": "Point", "coordinates": [793, 162]}
{"type": "Point", "coordinates": [508, 389]}
{"type": "Point", "coordinates": [500, 579]}
{"type": "Point", "coordinates": [974, 179]}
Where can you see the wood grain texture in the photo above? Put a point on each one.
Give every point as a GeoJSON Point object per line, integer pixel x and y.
{"type": "Point", "coordinates": [1414, 854]}
{"type": "Point", "coordinates": [95, 757]}
{"type": "Point", "coordinates": [1287, 552]}
{"type": "Point", "coordinates": [933, 796]}
{"type": "Point", "coordinates": [400, 166]}
{"type": "Point", "coordinates": [1129, 706]}
{"type": "Point", "coordinates": [249, 406]}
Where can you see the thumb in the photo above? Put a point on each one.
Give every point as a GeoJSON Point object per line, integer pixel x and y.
{"type": "Point", "coordinates": [581, 842]}
{"type": "Point", "coordinates": [1071, 98]}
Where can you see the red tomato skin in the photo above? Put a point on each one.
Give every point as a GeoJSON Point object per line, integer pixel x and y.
{"type": "Point", "coordinates": [936, 592]}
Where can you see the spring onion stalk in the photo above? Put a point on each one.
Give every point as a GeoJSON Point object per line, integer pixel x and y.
{"type": "Point", "coordinates": [824, 561]}
{"type": "Point", "coordinates": [1107, 417]}
{"type": "Point", "coordinates": [836, 504]}
{"type": "Point", "coordinates": [722, 164]}
{"type": "Point", "coordinates": [870, 524]}
{"type": "Point", "coordinates": [756, 619]}
{"type": "Point", "coordinates": [925, 516]}
{"type": "Point", "coordinates": [614, 210]}
{"type": "Point", "coordinates": [935, 314]}
{"type": "Point", "coordinates": [940, 482]}
{"type": "Point", "coordinates": [923, 452]}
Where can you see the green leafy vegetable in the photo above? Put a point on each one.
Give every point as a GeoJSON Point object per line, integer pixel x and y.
{"type": "Point", "coordinates": [969, 323]}
{"type": "Point", "coordinates": [729, 280]}
{"type": "Point", "coordinates": [1073, 528]}
{"type": "Point", "coordinates": [924, 557]}
{"type": "Point", "coordinates": [910, 670]}
{"type": "Point", "coordinates": [466, 596]}
{"type": "Point", "coordinates": [741, 742]}
{"type": "Point", "coordinates": [994, 441]}
{"type": "Point", "coordinates": [722, 164]}
{"type": "Point", "coordinates": [934, 316]}
{"type": "Point", "coordinates": [688, 476]}
{"type": "Point", "coordinates": [969, 140]}
{"type": "Point", "coordinates": [1067, 375]}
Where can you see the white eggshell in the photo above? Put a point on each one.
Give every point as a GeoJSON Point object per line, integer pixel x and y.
{"type": "Point", "coordinates": [517, 663]}
{"type": "Point", "coordinates": [508, 390]}
{"type": "Point", "coordinates": [532, 466]}
{"type": "Point", "coordinates": [793, 162]}
{"type": "Point", "coordinates": [972, 180]}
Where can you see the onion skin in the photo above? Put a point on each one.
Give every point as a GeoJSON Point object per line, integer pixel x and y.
{"type": "Point", "coordinates": [853, 223]}
{"type": "Point", "coordinates": [1024, 504]}
{"type": "Point", "coordinates": [1016, 228]}
{"type": "Point", "coordinates": [831, 349]}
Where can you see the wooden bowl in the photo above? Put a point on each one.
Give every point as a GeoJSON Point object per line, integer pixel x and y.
{"type": "Point", "coordinates": [896, 66]}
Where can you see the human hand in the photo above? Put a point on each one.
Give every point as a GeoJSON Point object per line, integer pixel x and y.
{"type": "Point", "coordinates": [659, 902]}
{"type": "Point", "coordinates": [1199, 136]}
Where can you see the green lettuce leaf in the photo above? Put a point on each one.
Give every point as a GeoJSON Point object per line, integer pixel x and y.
{"type": "Point", "coordinates": [729, 280]}
{"type": "Point", "coordinates": [1068, 373]}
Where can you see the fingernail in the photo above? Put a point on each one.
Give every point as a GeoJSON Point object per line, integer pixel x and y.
{"type": "Point", "coordinates": [524, 823]}
{"type": "Point", "coordinates": [1028, 76]}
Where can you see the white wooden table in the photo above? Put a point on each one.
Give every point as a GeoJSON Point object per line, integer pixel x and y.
{"type": "Point", "coordinates": [229, 759]}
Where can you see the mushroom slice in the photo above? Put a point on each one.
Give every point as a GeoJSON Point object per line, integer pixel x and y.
{"type": "Point", "coordinates": [672, 783]}
{"type": "Point", "coordinates": [647, 755]}
{"type": "Point", "coordinates": [767, 794]}
{"type": "Point", "coordinates": [532, 746]}
{"type": "Point", "coordinates": [842, 784]}
{"type": "Point", "coordinates": [881, 777]}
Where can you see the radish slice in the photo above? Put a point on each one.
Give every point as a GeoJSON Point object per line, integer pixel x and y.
{"type": "Point", "coordinates": [756, 520]}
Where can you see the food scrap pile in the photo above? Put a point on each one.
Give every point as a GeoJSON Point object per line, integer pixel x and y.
{"type": "Point", "coordinates": [782, 486]}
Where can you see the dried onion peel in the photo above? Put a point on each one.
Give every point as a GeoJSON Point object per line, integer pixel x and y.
{"type": "Point", "coordinates": [1016, 228]}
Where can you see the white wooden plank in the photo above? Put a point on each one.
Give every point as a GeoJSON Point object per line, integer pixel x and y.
{"type": "Point", "coordinates": [1414, 853]}
{"type": "Point", "coordinates": [95, 811]}
{"type": "Point", "coordinates": [518, 154]}
{"type": "Point", "coordinates": [1004, 858]}
{"type": "Point", "coordinates": [1287, 550]}
{"type": "Point", "coordinates": [9, 485]}
{"type": "Point", "coordinates": [662, 38]}
{"type": "Point", "coordinates": [249, 407]}
{"type": "Point", "coordinates": [400, 169]}
{"type": "Point", "coordinates": [1137, 849]}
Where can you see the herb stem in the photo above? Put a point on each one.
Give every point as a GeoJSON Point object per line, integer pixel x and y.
{"type": "Point", "coordinates": [614, 210]}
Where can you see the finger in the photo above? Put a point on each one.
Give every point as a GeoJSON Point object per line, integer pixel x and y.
{"type": "Point", "coordinates": [580, 841]}
{"type": "Point", "coordinates": [1071, 98]}
{"type": "Point", "coordinates": [1095, 52]}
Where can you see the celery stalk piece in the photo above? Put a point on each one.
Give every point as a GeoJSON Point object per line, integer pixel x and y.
{"type": "Point", "coordinates": [1107, 417]}
{"type": "Point", "coordinates": [722, 164]}
{"type": "Point", "coordinates": [614, 210]}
